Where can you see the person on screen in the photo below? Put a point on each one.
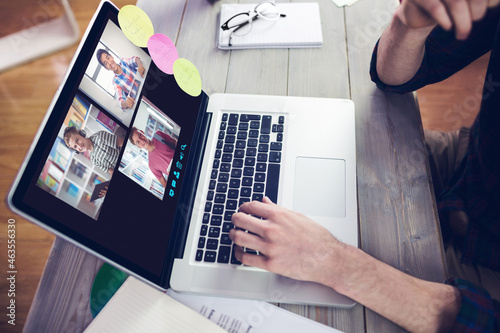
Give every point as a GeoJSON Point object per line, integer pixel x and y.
{"type": "Point", "coordinates": [161, 149]}
{"type": "Point", "coordinates": [104, 147]}
{"type": "Point", "coordinates": [124, 79]}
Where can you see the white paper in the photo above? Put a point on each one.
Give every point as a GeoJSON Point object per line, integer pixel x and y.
{"type": "Point", "coordinates": [249, 316]}
{"type": "Point", "coordinates": [342, 3]}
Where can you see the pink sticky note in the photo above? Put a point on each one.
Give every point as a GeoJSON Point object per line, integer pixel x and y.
{"type": "Point", "coordinates": [163, 52]}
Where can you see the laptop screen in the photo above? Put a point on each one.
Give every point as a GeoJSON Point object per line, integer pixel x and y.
{"type": "Point", "coordinates": [110, 161]}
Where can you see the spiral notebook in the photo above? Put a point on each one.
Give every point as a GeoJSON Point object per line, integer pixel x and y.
{"type": "Point", "coordinates": [301, 28]}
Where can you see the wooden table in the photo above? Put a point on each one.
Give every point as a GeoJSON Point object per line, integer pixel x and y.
{"type": "Point", "coordinates": [397, 212]}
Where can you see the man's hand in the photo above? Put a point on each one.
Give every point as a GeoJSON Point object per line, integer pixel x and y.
{"type": "Point", "coordinates": [291, 244]}
{"type": "Point", "coordinates": [457, 14]}
{"type": "Point", "coordinates": [128, 103]}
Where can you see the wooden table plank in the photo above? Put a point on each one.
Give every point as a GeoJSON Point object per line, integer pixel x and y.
{"type": "Point", "coordinates": [398, 219]}
{"type": "Point", "coordinates": [62, 301]}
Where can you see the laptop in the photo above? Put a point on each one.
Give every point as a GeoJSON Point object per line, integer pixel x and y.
{"type": "Point", "coordinates": [165, 215]}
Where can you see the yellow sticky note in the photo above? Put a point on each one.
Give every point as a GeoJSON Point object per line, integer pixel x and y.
{"type": "Point", "coordinates": [136, 25]}
{"type": "Point", "coordinates": [187, 77]}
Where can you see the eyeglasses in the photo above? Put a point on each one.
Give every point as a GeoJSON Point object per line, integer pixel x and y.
{"type": "Point", "coordinates": [242, 22]}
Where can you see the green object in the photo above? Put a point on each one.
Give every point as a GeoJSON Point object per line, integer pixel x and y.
{"type": "Point", "coordinates": [107, 281]}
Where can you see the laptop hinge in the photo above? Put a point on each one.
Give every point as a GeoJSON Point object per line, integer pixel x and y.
{"type": "Point", "coordinates": [188, 192]}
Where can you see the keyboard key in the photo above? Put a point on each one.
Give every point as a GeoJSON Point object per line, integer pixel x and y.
{"type": "Point", "coordinates": [234, 261]}
{"type": "Point", "coordinates": [247, 181]}
{"type": "Point", "coordinates": [218, 153]}
{"type": "Point", "coordinates": [257, 196]}
{"type": "Point", "coordinates": [264, 138]}
{"type": "Point", "coordinates": [248, 171]}
{"type": "Point", "coordinates": [238, 163]}
{"type": "Point", "coordinates": [260, 177]}
{"type": "Point", "coordinates": [253, 116]}
{"type": "Point", "coordinates": [250, 161]}
{"type": "Point", "coordinates": [210, 195]}
{"type": "Point", "coordinates": [239, 153]}
{"type": "Point", "coordinates": [279, 137]}
{"type": "Point", "coordinates": [224, 239]}
{"type": "Point", "coordinates": [261, 167]}
{"type": "Point", "coordinates": [218, 209]}
{"type": "Point", "coordinates": [214, 232]}
{"type": "Point", "coordinates": [276, 146]}
{"type": "Point", "coordinates": [245, 192]}
{"type": "Point", "coordinates": [224, 116]}
{"type": "Point", "coordinates": [204, 230]}
{"type": "Point", "coordinates": [281, 120]}
{"type": "Point", "coordinates": [221, 188]}
{"type": "Point", "coordinates": [225, 167]}
{"type": "Point", "coordinates": [251, 152]}
{"type": "Point", "coordinates": [223, 177]}
{"type": "Point", "coordinates": [214, 174]}
{"type": "Point", "coordinates": [223, 126]}
{"type": "Point", "coordinates": [212, 244]}
{"type": "Point", "coordinates": [243, 200]}
{"type": "Point", "coordinates": [224, 254]}
{"type": "Point", "coordinates": [255, 125]}
{"type": "Point", "coordinates": [241, 144]}
{"type": "Point", "coordinates": [230, 139]}
{"type": "Point", "coordinates": [236, 173]}
{"type": "Point", "coordinates": [233, 193]}
{"type": "Point", "coordinates": [227, 217]}
{"type": "Point", "coordinates": [201, 242]}
{"type": "Point", "coordinates": [216, 164]}
{"type": "Point", "coordinates": [231, 130]}
{"type": "Point", "coordinates": [231, 205]}
{"type": "Point", "coordinates": [257, 187]}
{"type": "Point", "coordinates": [227, 157]}
{"type": "Point", "coordinates": [227, 226]}
{"type": "Point", "coordinates": [228, 148]}
{"type": "Point", "coordinates": [242, 135]}
{"type": "Point", "coordinates": [206, 217]}
{"type": "Point", "coordinates": [234, 183]}
{"type": "Point", "coordinates": [273, 175]}
{"type": "Point", "coordinates": [199, 255]}
{"type": "Point", "coordinates": [243, 126]}
{"type": "Point", "coordinates": [220, 198]}
{"type": "Point", "coordinates": [216, 220]}
{"type": "Point", "coordinates": [220, 143]}
{"type": "Point", "coordinates": [210, 256]}
{"type": "Point", "coordinates": [252, 142]}
{"type": "Point", "coordinates": [275, 157]}
{"type": "Point", "coordinates": [263, 148]}
{"type": "Point", "coordinates": [233, 119]}
{"type": "Point", "coordinates": [265, 126]}
{"type": "Point", "coordinates": [254, 133]}
{"type": "Point", "coordinates": [208, 206]}
{"type": "Point", "coordinates": [221, 135]}
{"type": "Point", "coordinates": [262, 157]}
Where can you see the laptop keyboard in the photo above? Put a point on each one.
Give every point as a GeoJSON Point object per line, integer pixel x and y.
{"type": "Point", "coordinates": [246, 167]}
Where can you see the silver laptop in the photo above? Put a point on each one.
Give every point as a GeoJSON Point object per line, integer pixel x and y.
{"type": "Point", "coordinates": [178, 167]}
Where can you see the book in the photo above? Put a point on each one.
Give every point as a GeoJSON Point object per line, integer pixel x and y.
{"type": "Point", "coordinates": [300, 28]}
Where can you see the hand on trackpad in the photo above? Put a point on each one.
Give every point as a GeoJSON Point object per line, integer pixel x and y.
{"type": "Point", "coordinates": [319, 188]}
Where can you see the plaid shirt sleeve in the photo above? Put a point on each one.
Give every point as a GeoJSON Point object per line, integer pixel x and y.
{"type": "Point", "coordinates": [444, 55]}
{"type": "Point", "coordinates": [478, 311]}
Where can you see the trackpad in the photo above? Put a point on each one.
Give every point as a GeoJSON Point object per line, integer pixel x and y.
{"type": "Point", "coordinates": [319, 188]}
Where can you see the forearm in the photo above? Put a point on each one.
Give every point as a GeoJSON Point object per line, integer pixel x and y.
{"type": "Point", "coordinates": [400, 51]}
{"type": "Point", "coordinates": [414, 304]}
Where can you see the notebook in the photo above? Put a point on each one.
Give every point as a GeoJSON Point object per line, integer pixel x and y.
{"type": "Point", "coordinates": [300, 28]}
{"type": "Point", "coordinates": [160, 207]}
